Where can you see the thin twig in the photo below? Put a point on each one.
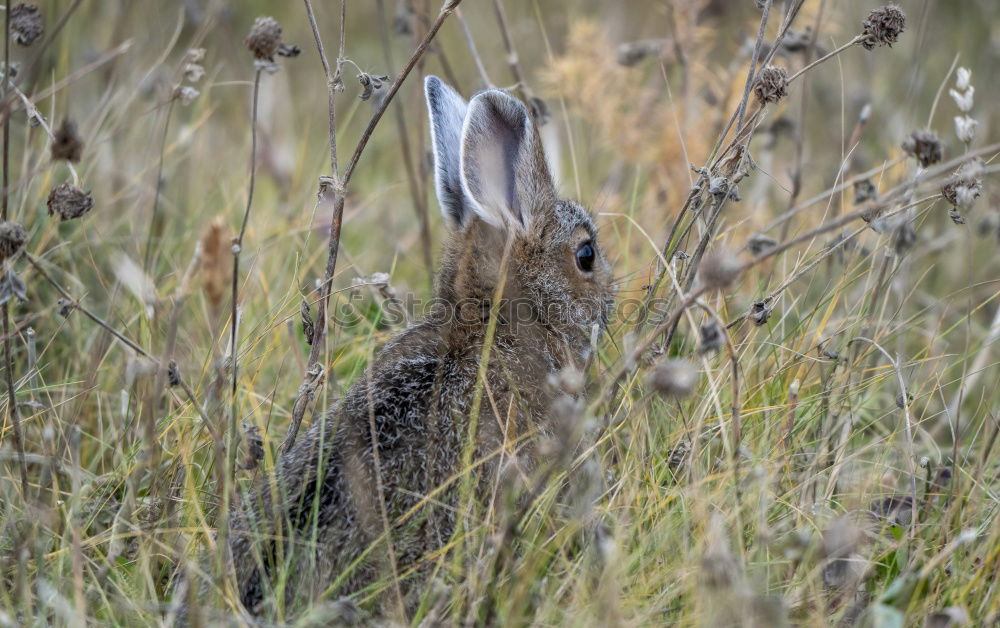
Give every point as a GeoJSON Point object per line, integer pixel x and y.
{"type": "Point", "coordinates": [857, 40]}
{"type": "Point", "coordinates": [75, 304]}
{"type": "Point", "coordinates": [412, 179]}
{"type": "Point", "coordinates": [471, 43]}
{"type": "Point", "coordinates": [147, 259]}
{"type": "Point", "coordinates": [338, 211]}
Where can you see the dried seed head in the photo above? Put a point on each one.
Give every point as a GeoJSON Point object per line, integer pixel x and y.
{"type": "Point", "coordinates": [963, 78]}
{"type": "Point", "coordinates": [67, 143]}
{"type": "Point", "coordinates": [264, 38]}
{"type": "Point", "coordinates": [760, 313]}
{"type": "Point", "coordinates": [11, 286]}
{"type": "Point", "coordinates": [673, 378]}
{"type": "Point", "coordinates": [883, 26]}
{"type": "Point", "coordinates": [186, 94]}
{"type": "Point", "coordinates": [925, 146]}
{"type": "Point", "coordinates": [864, 190]}
{"type": "Point", "coordinates": [216, 267]}
{"type": "Point", "coordinates": [370, 84]}
{"type": "Point", "coordinates": [712, 337]}
{"type": "Point", "coordinates": [254, 447]}
{"type": "Point", "coordinates": [25, 23]}
{"type": "Point", "coordinates": [964, 100]}
{"type": "Point", "coordinates": [904, 236]}
{"type": "Point", "coordinates": [964, 186]}
{"type": "Point", "coordinates": [68, 201]}
{"type": "Point", "coordinates": [632, 52]}
{"type": "Point", "coordinates": [965, 128]}
{"type": "Point", "coordinates": [771, 84]}
{"type": "Point", "coordinates": [719, 270]}
{"type": "Point", "coordinates": [678, 455]}
{"type": "Point", "coordinates": [173, 374]}
{"type": "Point", "coordinates": [308, 326]}
{"type": "Point", "coordinates": [12, 239]}
{"type": "Point", "coordinates": [760, 243]}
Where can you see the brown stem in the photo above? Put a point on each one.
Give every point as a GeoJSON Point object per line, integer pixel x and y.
{"type": "Point", "coordinates": [76, 305]}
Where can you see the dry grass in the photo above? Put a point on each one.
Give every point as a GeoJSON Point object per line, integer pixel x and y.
{"type": "Point", "coordinates": [870, 384]}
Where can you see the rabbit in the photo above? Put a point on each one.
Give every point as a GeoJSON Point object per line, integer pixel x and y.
{"type": "Point", "coordinates": [408, 415]}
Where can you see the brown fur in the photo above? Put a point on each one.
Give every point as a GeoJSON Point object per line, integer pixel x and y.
{"type": "Point", "coordinates": [322, 513]}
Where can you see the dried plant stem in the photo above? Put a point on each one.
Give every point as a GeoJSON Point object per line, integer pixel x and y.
{"type": "Point", "coordinates": [512, 59]}
{"type": "Point", "coordinates": [311, 380]}
{"type": "Point", "coordinates": [12, 410]}
{"type": "Point", "coordinates": [857, 40]}
{"type": "Point", "coordinates": [232, 435]}
{"type": "Point", "coordinates": [39, 50]}
{"type": "Point", "coordinates": [154, 215]}
{"type": "Point", "coordinates": [76, 305]}
{"type": "Point", "coordinates": [33, 114]}
{"type": "Point", "coordinates": [417, 195]}
{"type": "Point", "coordinates": [471, 43]}
{"type": "Point", "coordinates": [907, 425]}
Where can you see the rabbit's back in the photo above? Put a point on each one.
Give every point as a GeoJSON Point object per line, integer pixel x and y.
{"type": "Point", "coordinates": [414, 399]}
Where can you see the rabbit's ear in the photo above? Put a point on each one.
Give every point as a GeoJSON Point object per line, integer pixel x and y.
{"type": "Point", "coordinates": [504, 171]}
{"type": "Point", "coordinates": [447, 115]}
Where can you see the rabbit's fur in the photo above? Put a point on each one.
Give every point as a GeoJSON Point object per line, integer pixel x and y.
{"type": "Point", "coordinates": [321, 513]}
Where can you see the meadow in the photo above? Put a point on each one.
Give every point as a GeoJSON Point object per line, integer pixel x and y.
{"type": "Point", "coordinates": [791, 419]}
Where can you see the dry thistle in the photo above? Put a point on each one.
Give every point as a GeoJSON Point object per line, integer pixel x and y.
{"type": "Point", "coordinates": [760, 243]}
{"type": "Point", "coordinates": [964, 186]}
{"type": "Point", "coordinates": [760, 313]}
{"type": "Point", "coordinates": [673, 378]}
{"type": "Point", "coordinates": [67, 143]}
{"type": "Point", "coordinates": [25, 23]}
{"type": "Point", "coordinates": [370, 84]}
{"type": "Point", "coordinates": [771, 84]}
{"type": "Point", "coordinates": [12, 239]}
{"type": "Point", "coordinates": [173, 374]}
{"type": "Point", "coordinates": [68, 201]}
{"type": "Point", "coordinates": [864, 190]}
{"type": "Point", "coordinates": [719, 270]}
{"type": "Point", "coordinates": [712, 337]}
{"type": "Point", "coordinates": [925, 146]}
{"type": "Point", "coordinates": [264, 40]}
{"type": "Point", "coordinates": [883, 26]}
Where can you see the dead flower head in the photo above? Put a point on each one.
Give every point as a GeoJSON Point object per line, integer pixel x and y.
{"type": "Point", "coordinates": [760, 312]}
{"type": "Point", "coordinates": [719, 270]}
{"type": "Point", "coordinates": [925, 146]}
{"type": "Point", "coordinates": [673, 378]}
{"type": "Point", "coordinates": [25, 23]}
{"type": "Point", "coordinates": [771, 84]}
{"type": "Point", "coordinates": [264, 40]}
{"type": "Point", "coordinates": [883, 26]}
{"type": "Point", "coordinates": [864, 190]}
{"type": "Point", "coordinates": [964, 186]}
{"type": "Point", "coordinates": [12, 238]}
{"type": "Point", "coordinates": [68, 201]}
{"type": "Point", "coordinates": [67, 143]}
{"type": "Point", "coordinates": [370, 84]}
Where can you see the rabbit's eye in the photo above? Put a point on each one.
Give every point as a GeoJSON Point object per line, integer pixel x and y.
{"type": "Point", "coordinates": [585, 257]}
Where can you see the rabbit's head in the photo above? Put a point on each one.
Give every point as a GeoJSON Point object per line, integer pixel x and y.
{"type": "Point", "coordinates": [508, 223]}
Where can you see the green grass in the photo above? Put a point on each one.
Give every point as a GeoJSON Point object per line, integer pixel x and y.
{"type": "Point", "coordinates": [619, 534]}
